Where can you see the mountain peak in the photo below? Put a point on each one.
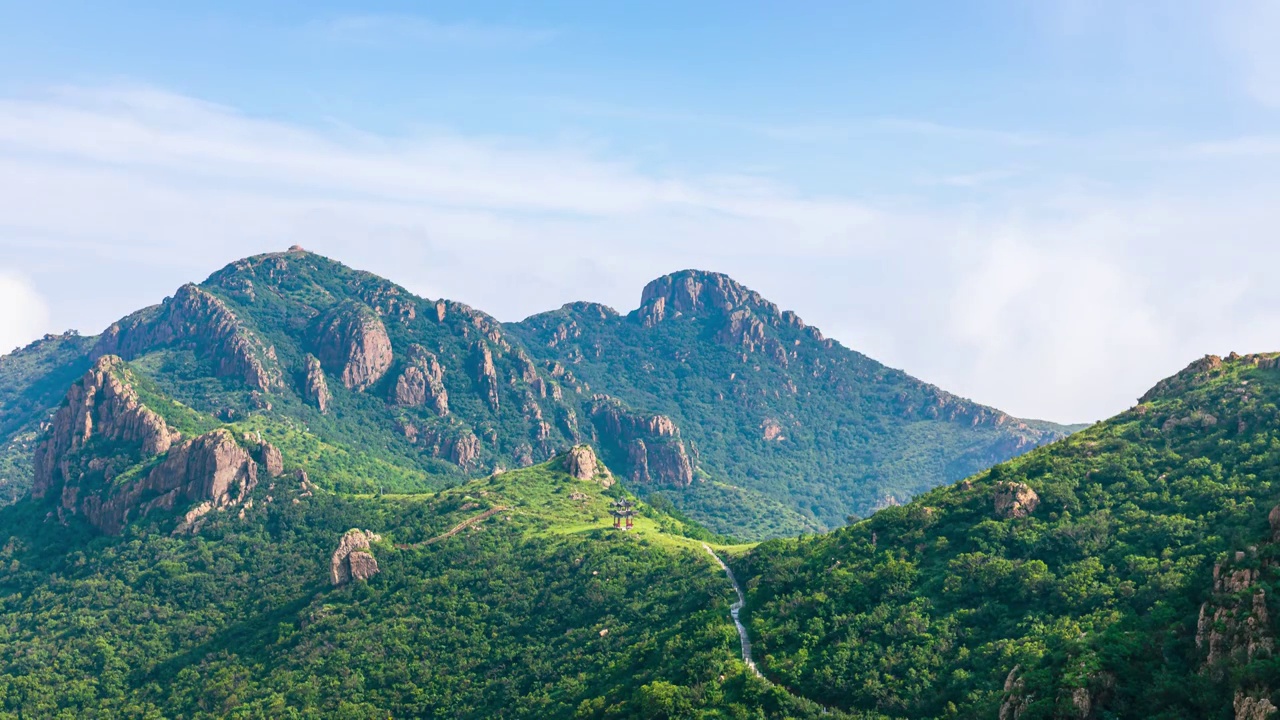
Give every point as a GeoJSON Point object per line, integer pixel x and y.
{"type": "Point", "coordinates": [699, 293]}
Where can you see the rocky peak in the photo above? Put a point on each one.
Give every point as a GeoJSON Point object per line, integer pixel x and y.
{"type": "Point", "coordinates": [101, 404]}
{"type": "Point", "coordinates": [352, 559]}
{"type": "Point", "coordinates": [352, 343]}
{"type": "Point", "coordinates": [699, 293]}
{"type": "Point", "coordinates": [198, 319]}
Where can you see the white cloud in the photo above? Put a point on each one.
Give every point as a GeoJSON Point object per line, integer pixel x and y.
{"type": "Point", "coordinates": [23, 314]}
{"type": "Point", "coordinates": [1054, 302]}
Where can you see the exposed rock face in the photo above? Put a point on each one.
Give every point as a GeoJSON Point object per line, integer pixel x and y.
{"type": "Point", "coordinates": [271, 460]}
{"type": "Point", "coordinates": [422, 382]}
{"type": "Point", "coordinates": [1234, 624]}
{"type": "Point", "coordinates": [693, 292]}
{"type": "Point", "coordinates": [317, 388]}
{"type": "Point", "coordinates": [196, 318]}
{"type": "Point", "coordinates": [581, 462]}
{"type": "Point", "coordinates": [1014, 500]}
{"type": "Point", "coordinates": [1015, 702]}
{"type": "Point", "coordinates": [455, 444]}
{"type": "Point", "coordinates": [210, 468]}
{"type": "Point", "coordinates": [352, 560]}
{"type": "Point", "coordinates": [101, 404]}
{"type": "Point", "coordinates": [1252, 708]}
{"type": "Point", "coordinates": [486, 376]}
{"type": "Point", "coordinates": [352, 343]}
{"type": "Point", "coordinates": [652, 444]}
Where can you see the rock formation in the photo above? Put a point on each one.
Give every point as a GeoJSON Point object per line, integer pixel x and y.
{"type": "Point", "coordinates": [316, 389]}
{"type": "Point", "coordinates": [581, 462]}
{"type": "Point", "coordinates": [1234, 624]}
{"type": "Point", "coordinates": [456, 444]}
{"type": "Point", "coordinates": [271, 460]}
{"type": "Point", "coordinates": [1014, 500]}
{"type": "Point", "coordinates": [352, 343]}
{"type": "Point", "coordinates": [101, 404]}
{"type": "Point", "coordinates": [194, 317]}
{"type": "Point", "coordinates": [352, 559]}
{"type": "Point", "coordinates": [651, 443]}
{"type": "Point", "coordinates": [1252, 708]}
{"type": "Point", "coordinates": [422, 382]}
{"type": "Point", "coordinates": [486, 375]}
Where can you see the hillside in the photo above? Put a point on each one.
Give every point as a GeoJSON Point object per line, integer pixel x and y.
{"type": "Point", "coordinates": [1128, 571]}
{"type": "Point", "coordinates": [173, 564]}
{"type": "Point", "coordinates": [707, 396]}
{"type": "Point", "coordinates": [771, 406]}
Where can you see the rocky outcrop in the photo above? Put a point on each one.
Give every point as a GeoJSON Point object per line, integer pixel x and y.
{"type": "Point", "coordinates": [485, 374]}
{"type": "Point", "coordinates": [193, 317]}
{"type": "Point", "coordinates": [211, 467]}
{"type": "Point", "coordinates": [316, 388]}
{"type": "Point", "coordinates": [456, 444]}
{"type": "Point", "coordinates": [271, 460]}
{"type": "Point", "coordinates": [581, 462]}
{"type": "Point", "coordinates": [1015, 698]}
{"type": "Point", "coordinates": [101, 404]}
{"type": "Point", "coordinates": [1234, 623]}
{"type": "Point", "coordinates": [1247, 707]}
{"type": "Point", "coordinates": [651, 444]}
{"type": "Point", "coordinates": [1014, 500]}
{"type": "Point", "coordinates": [352, 343]}
{"type": "Point", "coordinates": [352, 559]}
{"type": "Point", "coordinates": [694, 292]}
{"type": "Point", "coordinates": [421, 383]}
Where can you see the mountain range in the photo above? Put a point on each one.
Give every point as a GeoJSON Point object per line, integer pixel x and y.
{"type": "Point", "coordinates": [296, 490]}
{"type": "Point", "coordinates": [742, 415]}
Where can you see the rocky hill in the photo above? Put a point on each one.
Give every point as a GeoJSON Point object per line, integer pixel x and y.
{"type": "Point", "coordinates": [1128, 571]}
{"type": "Point", "coordinates": [766, 403]}
{"type": "Point", "coordinates": [740, 414]}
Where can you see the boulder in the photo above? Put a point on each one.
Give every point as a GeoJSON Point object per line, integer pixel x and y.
{"type": "Point", "coordinates": [581, 462]}
{"type": "Point", "coordinates": [352, 559]}
{"type": "Point", "coordinates": [1014, 500]}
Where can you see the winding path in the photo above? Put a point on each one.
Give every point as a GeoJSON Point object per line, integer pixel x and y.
{"type": "Point", "coordinates": [734, 610]}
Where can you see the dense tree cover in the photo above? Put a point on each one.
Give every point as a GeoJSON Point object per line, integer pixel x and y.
{"type": "Point", "coordinates": [924, 610]}
{"type": "Point", "coordinates": [537, 612]}
{"type": "Point", "coordinates": [804, 438]}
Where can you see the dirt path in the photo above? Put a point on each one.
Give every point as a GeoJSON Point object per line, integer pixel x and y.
{"type": "Point", "coordinates": [734, 610]}
{"type": "Point", "coordinates": [458, 528]}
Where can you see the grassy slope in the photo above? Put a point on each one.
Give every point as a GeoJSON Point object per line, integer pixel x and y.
{"type": "Point", "coordinates": [923, 610]}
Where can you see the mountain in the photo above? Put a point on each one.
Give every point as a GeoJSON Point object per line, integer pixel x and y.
{"type": "Point", "coordinates": [708, 396]}
{"type": "Point", "coordinates": [771, 406]}
{"type": "Point", "coordinates": [1128, 571]}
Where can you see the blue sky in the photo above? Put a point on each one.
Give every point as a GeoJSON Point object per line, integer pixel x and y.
{"type": "Point", "coordinates": [1046, 206]}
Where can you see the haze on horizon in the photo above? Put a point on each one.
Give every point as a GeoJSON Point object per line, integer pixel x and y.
{"type": "Point", "coordinates": [1045, 207]}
